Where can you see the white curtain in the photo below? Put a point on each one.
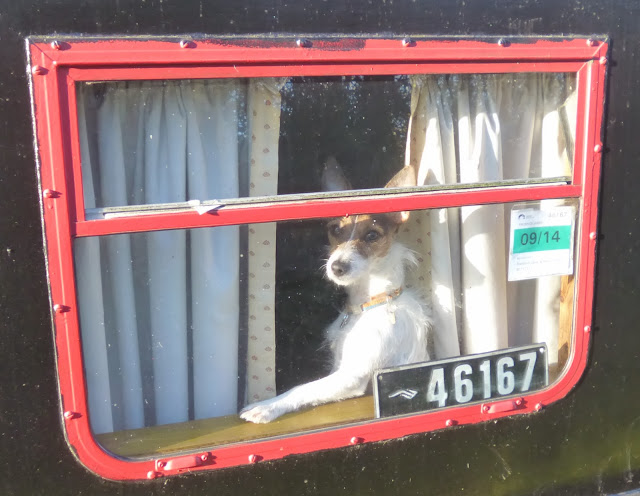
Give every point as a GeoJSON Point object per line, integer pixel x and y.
{"type": "Point", "coordinates": [159, 311]}
{"type": "Point", "coordinates": [474, 129]}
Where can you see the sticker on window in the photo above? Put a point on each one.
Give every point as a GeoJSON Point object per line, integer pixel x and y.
{"type": "Point", "coordinates": [541, 242]}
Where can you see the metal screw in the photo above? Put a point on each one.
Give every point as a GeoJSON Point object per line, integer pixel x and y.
{"type": "Point", "coordinates": [593, 236]}
{"type": "Point", "coordinates": [407, 42]}
{"type": "Point", "coordinates": [485, 408]}
{"type": "Point", "coordinates": [503, 43]}
{"type": "Point", "coordinates": [303, 43]}
{"type": "Point", "coordinates": [519, 402]}
{"type": "Point", "coordinates": [538, 407]}
{"type": "Point", "coordinates": [69, 415]}
{"type": "Point", "coordinates": [355, 440]}
{"type": "Point", "coordinates": [253, 458]}
{"type": "Point", "coordinates": [38, 70]}
{"type": "Point", "coordinates": [591, 42]}
{"type": "Point", "coordinates": [48, 193]}
{"type": "Point", "coordinates": [597, 148]}
{"type": "Point", "coordinates": [187, 44]}
{"type": "Point", "coordinates": [450, 422]}
{"type": "Point", "coordinates": [151, 474]}
{"type": "Point", "coordinates": [603, 60]}
{"type": "Point", "coordinates": [57, 308]}
{"type": "Point", "coordinates": [587, 329]}
{"type": "Point", "coordinates": [55, 44]}
{"type": "Point", "coordinates": [204, 457]}
{"type": "Point", "coordinates": [160, 464]}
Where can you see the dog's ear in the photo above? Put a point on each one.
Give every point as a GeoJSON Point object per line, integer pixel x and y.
{"type": "Point", "coordinates": [405, 178]}
{"type": "Point", "coordinates": [333, 179]}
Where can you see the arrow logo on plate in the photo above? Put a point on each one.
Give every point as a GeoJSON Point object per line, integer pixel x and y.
{"type": "Point", "coordinates": [407, 394]}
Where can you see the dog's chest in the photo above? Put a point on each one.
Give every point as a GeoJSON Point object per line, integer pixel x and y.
{"type": "Point", "coordinates": [358, 329]}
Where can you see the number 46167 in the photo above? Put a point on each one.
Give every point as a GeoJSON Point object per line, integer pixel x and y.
{"type": "Point", "coordinates": [494, 376]}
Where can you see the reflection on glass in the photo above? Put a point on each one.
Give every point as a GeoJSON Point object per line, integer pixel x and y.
{"type": "Point", "coordinates": [192, 325]}
{"type": "Point", "coordinates": [155, 142]}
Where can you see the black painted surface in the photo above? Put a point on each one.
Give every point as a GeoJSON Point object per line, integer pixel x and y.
{"type": "Point", "coordinates": [586, 444]}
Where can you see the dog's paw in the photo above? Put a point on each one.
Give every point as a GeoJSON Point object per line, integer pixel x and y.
{"type": "Point", "coordinates": [260, 413]}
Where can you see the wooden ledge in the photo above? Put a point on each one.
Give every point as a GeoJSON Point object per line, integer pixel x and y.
{"type": "Point", "coordinates": [164, 439]}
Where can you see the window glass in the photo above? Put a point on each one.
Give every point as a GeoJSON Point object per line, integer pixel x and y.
{"type": "Point", "coordinates": [182, 329]}
{"type": "Point", "coordinates": [159, 142]}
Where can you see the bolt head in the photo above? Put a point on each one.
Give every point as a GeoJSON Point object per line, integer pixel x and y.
{"type": "Point", "coordinates": [38, 70]}
{"type": "Point", "coordinates": [538, 407]}
{"type": "Point", "coordinates": [503, 43]}
{"type": "Point", "coordinates": [587, 329]}
{"type": "Point", "coordinates": [519, 402]}
{"type": "Point", "coordinates": [187, 44]}
{"type": "Point", "coordinates": [597, 148]}
{"type": "Point", "coordinates": [204, 457]}
{"type": "Point", "coordinates": [253, 458]}
{"type": "Point", "coordinates": [449, 423]}
{"type": "Point", "coordinates": [603, 61]}
{"type": "Point", "coordinates": [485, 408]}
{"type": "Point", "coordinates": [303, 43]}
{"type": "Point", "coordinates": [593, 236]}
{"type": "Point", "coordinates": [70, 415]}
{"type": "Point", "coordinates": [591, 42]}
{"type": "Point", "coordinates": [407, 42]}
{"type": "Point", "coordinates": [355, 440]}
{"type": "Point", "coordinates": [151, 474]}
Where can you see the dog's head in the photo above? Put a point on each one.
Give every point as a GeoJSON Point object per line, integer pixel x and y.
{"type": "Point", "coordinates": [358, 243]}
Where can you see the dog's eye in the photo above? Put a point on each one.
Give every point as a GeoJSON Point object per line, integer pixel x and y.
{"type": "Point", "coordinates": [371, 236]}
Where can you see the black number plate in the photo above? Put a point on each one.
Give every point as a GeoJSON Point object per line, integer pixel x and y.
{"type": "Point", "coordinates": [460, 380]}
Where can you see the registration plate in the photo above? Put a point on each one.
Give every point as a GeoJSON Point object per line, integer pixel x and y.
{"type": "Point", "coordinates": [460, 380]}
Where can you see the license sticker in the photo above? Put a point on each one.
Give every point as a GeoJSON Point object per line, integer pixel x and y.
{"type": "Point", "coordinates": [541, 242]}
{"type": "Point", "coordinates": [460, 381]}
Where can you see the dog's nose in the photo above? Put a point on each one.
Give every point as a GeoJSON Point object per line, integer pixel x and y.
{"type": "Point", "coordinates": [340, 268]}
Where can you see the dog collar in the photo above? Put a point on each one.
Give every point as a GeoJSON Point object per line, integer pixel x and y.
{"type": "Point", "coordinates": [375, 301]}
{"type": "Point", "coordinates": [380, 299]}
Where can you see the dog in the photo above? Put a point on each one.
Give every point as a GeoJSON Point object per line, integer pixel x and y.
{"type": "Point", "coordinates": [383, 323]}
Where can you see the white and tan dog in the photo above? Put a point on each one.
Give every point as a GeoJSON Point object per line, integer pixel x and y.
{"type": "Point", "coordinates": [383, 325]}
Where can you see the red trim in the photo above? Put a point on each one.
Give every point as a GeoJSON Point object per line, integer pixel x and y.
{"type": "Point", "coordinates": [80, 53]}
{"type": "Point", "coordinates": [318, 209]}
{"type": "Point", "coordinates": [59, 154]}
{"type": "Point", "coordinates": [320, 69]}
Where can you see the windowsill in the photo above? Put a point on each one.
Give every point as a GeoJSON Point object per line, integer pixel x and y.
{"type": "Point", "coordinates": [164, 439]}
{"type": "Point", "coordinates": [195, 434]}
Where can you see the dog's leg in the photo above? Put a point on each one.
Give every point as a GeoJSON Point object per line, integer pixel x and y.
{"type": "Point", "coordinates": [334, 387]}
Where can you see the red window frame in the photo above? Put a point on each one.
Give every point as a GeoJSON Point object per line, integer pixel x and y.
{"type": "Point", "coordinates": [56, 67]}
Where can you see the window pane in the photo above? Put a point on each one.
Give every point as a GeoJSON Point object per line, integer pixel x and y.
{"type": "Point", "coordinates": [156, 142]}
{"type": "Point", "coordinates": [182, 329]}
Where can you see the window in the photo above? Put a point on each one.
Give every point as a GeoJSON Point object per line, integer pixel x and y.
{"type": "Point", "coordinates": [191, 191]}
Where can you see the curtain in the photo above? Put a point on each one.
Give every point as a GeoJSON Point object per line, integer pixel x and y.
{"type": "Point", "coordinates": [478, 128]}
{"type": "Point", "coordinates": [160, 311]}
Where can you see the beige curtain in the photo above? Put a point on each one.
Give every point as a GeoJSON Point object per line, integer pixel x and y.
{"type": "Point", "coordinates": [264, 104]}
{"type": "Point", "coordinates": [477, 128]}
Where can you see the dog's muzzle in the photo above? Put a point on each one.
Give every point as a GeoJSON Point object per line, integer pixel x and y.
{"type": "Point", "coordinates": [340, 268]}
